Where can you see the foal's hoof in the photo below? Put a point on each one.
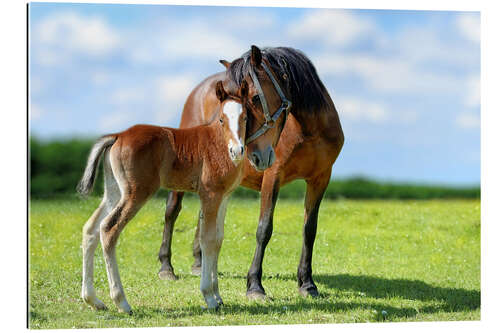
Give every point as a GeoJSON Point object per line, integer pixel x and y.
{"type": "Point", "coordinates": [196, 270]}
{"type": "Point", "coordinates": [167, 275]}
{"type": "Point", "coordinates": [100, 306]}
{"type": "Point", "coordinates": [309, 291]}
{"type": "Point", "coordinates": [216, 309]}
{"type": "Point", "coordinates": [256, 295]}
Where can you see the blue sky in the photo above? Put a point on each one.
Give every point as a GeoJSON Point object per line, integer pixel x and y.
{"type": "Point", "coordinates": [406, 83]}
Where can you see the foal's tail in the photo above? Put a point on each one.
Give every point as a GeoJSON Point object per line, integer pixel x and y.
{"type": "Point", "coordinates": [86, 184]}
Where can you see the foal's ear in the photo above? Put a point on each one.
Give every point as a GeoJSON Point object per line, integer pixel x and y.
{"type": "Point", "coordinates": [226, 63]}
{"type": "Point", "coordinates": [220, 92]}
{"type": "Point", "coordinates": [243, 90]}
{"type": "Point", "coordinates": [255, 56]}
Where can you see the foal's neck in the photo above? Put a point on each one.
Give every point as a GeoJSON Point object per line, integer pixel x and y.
{"type": "Point", "coordinates": [201, 144]}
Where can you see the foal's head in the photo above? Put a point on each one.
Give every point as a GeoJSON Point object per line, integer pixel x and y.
{"type": "Point", "coordinates": [233, 119]}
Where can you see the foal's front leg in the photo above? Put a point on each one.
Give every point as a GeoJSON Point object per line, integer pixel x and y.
{"type": "Point", "coordinates": [211, 235]}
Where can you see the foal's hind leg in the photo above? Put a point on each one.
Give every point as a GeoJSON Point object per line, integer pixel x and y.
{"type": "Point", "coordinates": [91, 236]}
{"type": "Point", "coordinates": [89, 244]}
{"type": "Point", "coordinates": [314, 194]}
{"type": "Point", "coordinates": [111, 228]}
{"type": "Point", "coordinates": [174, 206]}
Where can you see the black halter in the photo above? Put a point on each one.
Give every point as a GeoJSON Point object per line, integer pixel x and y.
{"type": "Point", "coordinates": [270, 120]}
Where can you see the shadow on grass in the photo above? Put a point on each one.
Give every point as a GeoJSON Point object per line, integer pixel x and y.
{"type": "Point", "coordinates": [453, 299]}
{"type": "Point", "coordinates": [441, 299]}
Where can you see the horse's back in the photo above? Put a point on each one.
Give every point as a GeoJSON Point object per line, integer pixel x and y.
{"type": "Point", "coordinates": [201, 102]}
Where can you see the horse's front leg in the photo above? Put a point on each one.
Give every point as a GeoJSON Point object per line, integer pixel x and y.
{"type": "Point", "coordinates": [211, 235]}
{"type": "Point", "coordinates": [314, 194]}
{"type": "Point", "coordinates": [174, 206]}
{"type": "Point", "coordinates": [269, 195]}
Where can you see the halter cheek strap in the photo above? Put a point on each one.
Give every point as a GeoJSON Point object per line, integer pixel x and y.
{"type": "Point", "coordinates": [285, 103]}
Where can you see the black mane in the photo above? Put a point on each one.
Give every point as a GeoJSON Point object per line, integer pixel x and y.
{"type": "Point", "coordinates": [303, 86]}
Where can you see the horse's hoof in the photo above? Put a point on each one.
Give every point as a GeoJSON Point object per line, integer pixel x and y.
{"type": "Point", "coordinates": [256, 295]}
{"type": "Point", "coordinates": [196, 270]}
{"type": "Point", "coordinates": [309, 291]}
{"type": "Point", "coordinates": [167, 275]}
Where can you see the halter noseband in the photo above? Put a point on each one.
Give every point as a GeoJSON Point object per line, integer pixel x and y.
{"type": "Point", "coordinates": [270, 120]}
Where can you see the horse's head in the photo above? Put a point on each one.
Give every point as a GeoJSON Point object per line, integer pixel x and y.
{"type": "Point", "coordinates": [233, 119]}
{"type": "Point", "coordinates": [267, 104]}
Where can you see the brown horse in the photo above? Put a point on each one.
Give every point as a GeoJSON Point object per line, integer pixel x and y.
{"type": "Point", "coordinates": [204, 159]}
{"type": "Point", "coordinates": [310, 143]}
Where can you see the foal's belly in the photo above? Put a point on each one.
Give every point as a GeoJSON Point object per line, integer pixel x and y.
{"type": "Point", "coordinates": [180, 180]}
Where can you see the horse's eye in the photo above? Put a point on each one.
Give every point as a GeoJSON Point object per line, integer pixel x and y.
{"type": "Point", "coordinates": [255, 99]}
{"type": "Point", "coordinates": [221, 120]}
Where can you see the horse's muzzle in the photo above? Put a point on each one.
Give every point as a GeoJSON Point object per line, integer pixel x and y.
{"type": "Point", "coordinates": [261, 160]}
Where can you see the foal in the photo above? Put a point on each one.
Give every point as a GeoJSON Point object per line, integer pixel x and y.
{"type": "Point", "coordinates": [204, 159]}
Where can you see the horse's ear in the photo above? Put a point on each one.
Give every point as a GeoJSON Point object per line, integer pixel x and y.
{"type": "Point", "coordinates": [225, 63]}
{"type": "Point", "coordinates": [255, 56]}
{"type": "Point", "coordinates": [220, 92]}
{"type": "Point", "coordinates": [244, 90]}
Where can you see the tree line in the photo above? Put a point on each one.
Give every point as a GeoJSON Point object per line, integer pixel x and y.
{"type": "Point", "coordinates": [57, 165]}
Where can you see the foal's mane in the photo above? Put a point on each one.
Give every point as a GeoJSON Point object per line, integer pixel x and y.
{"type": "Point", "coordinates": [302, 86]}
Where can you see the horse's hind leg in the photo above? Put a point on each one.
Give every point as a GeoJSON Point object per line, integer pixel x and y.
{"type": "Point", "coordinates": [174, 206]}
{"type": "Point", "coordinates": [314, 194]}
{"type": "Point", "coordinates": [91, 236]}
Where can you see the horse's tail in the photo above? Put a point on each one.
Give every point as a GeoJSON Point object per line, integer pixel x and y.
{"type": "Point", "coordinates": [86, 184]}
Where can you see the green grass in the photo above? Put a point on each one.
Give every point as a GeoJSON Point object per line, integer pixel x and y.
{"type": "Point", "coordinates": [415, 260]}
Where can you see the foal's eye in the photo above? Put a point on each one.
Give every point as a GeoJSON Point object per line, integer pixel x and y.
{"type": "Point", "coordinates": [221, 121]}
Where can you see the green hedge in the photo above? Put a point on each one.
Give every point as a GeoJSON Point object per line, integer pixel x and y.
{"type": "Point", "coordinates": [56, 167]}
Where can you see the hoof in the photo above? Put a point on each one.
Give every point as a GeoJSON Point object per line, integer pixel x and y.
{"type": "Point", "coordinates": [256, 295]}
{"type": "Point", "coordinates": [196, 270]}
{"type": "Point", "coordinates": [167, 275]}
{"type": "Point", "coordinates": [100, 306]}
{"type": "Point", "coordinates": [309, 291]}
{"type": "Point", "coordinates": [215, 309]}
{"type": "Point", "coordinates": [125, 309]}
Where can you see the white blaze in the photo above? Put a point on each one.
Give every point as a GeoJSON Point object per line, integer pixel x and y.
{"type": "Point", "coordinates": [233, 111]}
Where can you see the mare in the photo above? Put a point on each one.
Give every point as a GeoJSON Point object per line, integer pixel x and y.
{"type": "Point", "coordinates": [308, 146]}
{"type": "Point", "coordinates": [143, 158]}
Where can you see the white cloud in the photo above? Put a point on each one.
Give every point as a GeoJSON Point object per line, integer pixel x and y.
{"type": "Point", "coordinates": [469, 26]}
{"type": "Point", "coordinates": [355, 109]}
{"type": "Point", "coordinates": [100, 78]}
{"type": "Point", "coordinates": [65, 33]}
{"type": "Point", "coordinates": [387, 75]}
{"type": "Point", "coordinates": [117, 121]}
{"type": "Point", "coordinates": [473, 94]}
{"type": "Point", "coordinates": [126, 96]}
{"type": "Point", "coordinates": [199, 40]}
{"type": "Point", "coordinates": [36, 112]}
{"type": "Point", "coordinates": [468, 120]}
{"type": "Point", "coordinates": [334, 27]}
{"type": "Point", "coordinates": [171, 94]}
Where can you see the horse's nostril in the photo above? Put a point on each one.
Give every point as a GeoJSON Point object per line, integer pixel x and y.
{"type": "Point", "coordinates": [256, 159]}
{"type": "Point", "coordinates": [242, 150]}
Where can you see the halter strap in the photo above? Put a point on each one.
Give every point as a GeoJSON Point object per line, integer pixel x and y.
{"type": "Point", "coordinates": [285, 103]}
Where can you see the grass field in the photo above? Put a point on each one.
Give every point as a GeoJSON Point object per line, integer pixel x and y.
{"type": "Point", "coordinates": [373, 261]}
